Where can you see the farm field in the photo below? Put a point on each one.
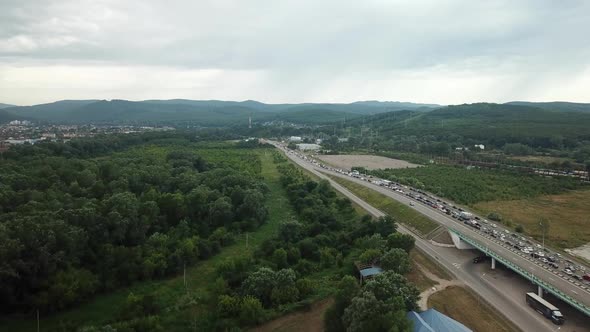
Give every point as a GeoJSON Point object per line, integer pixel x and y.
{"type": "Point", "coordinates": [367, 161]}
{"type": "Point", "coordinates": [569, 215]}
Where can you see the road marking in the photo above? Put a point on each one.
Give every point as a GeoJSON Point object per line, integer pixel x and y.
{"type": "Point", "coordinates": [573, 291]}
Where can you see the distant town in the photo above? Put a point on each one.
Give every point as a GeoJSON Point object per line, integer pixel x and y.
{"type": "Point", "coordinates": [26, 132]}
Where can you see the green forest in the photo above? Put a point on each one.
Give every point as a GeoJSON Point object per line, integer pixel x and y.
{"type": "Point", "coordinates": [123, 214]}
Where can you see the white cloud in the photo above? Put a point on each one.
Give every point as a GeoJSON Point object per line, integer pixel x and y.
{"type": "Point", "coordinates": [431, 51]}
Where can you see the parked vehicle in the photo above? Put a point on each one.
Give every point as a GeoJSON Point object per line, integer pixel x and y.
{"type": "Point", "coordinates": [545, 308]}
{"type": "Point", "coordinates": [479, 259]}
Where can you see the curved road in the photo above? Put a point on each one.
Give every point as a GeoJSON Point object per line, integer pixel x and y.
{"type": "Point", "coordinates": [513, 306]}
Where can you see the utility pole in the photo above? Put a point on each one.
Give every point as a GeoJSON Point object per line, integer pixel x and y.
{"type": "Point", "coordinates": [37, 320]}
{"type": "Point", "coordinates": [184, 276]}
{"type": "Point", "coordinates": [246, 240]}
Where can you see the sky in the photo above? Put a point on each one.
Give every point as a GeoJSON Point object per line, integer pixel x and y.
{"type": "Point", "coordinates": [445, 52]}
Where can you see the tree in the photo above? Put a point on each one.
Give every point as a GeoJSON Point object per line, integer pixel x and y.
{"type": "Point", "coordinates": [382, 304]}
{"type": "Point", "coordinates": [369, 256]}
{"type": "Point", "coordinates": [348, 287]}
{"type": "Point", "coordinates": [389, 285]}
{"type": "Point", "coordinates": [260, 284]}
{"type": "Point", "coordinates": [399, 240]}
{"type": "Point", "coordinates": [279, 257]}
{"type": "Point", "coordinates": [251, 311]}
{"type": "Point", "coordinates": [396, 260]}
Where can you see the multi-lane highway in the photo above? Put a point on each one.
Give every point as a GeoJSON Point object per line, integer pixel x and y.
{"type": "Point", "coordinates": [512, 305]}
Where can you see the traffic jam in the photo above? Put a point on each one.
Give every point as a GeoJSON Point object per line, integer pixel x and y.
{"type": "Point", "coordinates": [515, 242]}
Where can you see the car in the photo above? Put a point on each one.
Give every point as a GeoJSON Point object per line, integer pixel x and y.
{"type": "Point", "coordinates": [554, 265]}
{"type": "Point", "coordinates": [479, 259]}
{"type": "Point", "coordinates": [477, 218]}
{"type": "Point", "coordinates": [544, 260]}
{"type": "Point", "coordinates": [551, 259]}
{"type": "Point", "coordinates": [411, 203]}
{"type": "Point", "coordinates": [568, 272]}
{"type": "Point", "coordinates": [579, 277]}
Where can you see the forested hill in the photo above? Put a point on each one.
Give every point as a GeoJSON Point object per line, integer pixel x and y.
{"type": "Point", "coordinates": [202, 112]}
{"type": "Point", "coordinates": [556, 106]}
{"type": "Point", "coordinates": [7, 116]}
{"type": "Point", "coordinates": [6, 105]}
{"type": "Point", "coordinates": [493, 123]}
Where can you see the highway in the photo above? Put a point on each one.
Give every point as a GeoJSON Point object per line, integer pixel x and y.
{"type": "Point", "coordinates": [511, 305]}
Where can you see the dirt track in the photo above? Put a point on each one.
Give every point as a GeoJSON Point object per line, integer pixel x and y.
{"type": "Point", "coordinates": [366, 161]}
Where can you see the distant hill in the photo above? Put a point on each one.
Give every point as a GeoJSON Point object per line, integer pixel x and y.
{"type": "Point", "coordinates": [6, 105]}
{"type": "Point", "coordinates": [495, 123]}
{"type": "Point", "coordinates": [6, 116]}
{"type": "Point", "coordinates": [555, 106]}
{"type": "Point", "coordinates": [202, 112]}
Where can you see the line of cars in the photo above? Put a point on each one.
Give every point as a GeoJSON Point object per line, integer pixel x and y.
{"type": "Point", "coordinates": [490, 229]}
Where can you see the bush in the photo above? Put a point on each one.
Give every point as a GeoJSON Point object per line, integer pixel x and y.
{"type": "Point", "coordinates": [495, 216]}
{"type": "Point", "coordinates": [519, 228]}
{"type": "Point", "coordinates": [251, 311]}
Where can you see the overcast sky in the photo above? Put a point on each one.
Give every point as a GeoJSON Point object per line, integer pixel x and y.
{"type": "Point", "coordinates": [445, 52]}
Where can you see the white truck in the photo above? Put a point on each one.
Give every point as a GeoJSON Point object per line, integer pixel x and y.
{"type": "Point", "coordinates": [465, 215]}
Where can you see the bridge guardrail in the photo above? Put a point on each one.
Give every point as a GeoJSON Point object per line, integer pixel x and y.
{"type": "Point", "coordinates": [580, 306]}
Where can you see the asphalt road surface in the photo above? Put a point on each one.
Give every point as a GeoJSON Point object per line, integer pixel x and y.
{"type": "Point", "coordinates": [512, 305]}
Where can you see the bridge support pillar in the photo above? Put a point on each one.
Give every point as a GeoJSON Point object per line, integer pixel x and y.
{"type": "Point", "coordinates": [540, 291]}
{"type": "Point", "coordinates": [493, 263]}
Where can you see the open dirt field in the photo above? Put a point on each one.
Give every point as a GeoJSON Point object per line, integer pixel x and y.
{"type": "Point", "coordinates": [309, 321]}
{"type": "Point", "coordinates": [367, 161]}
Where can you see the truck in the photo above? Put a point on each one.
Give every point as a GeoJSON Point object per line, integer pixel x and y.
{"type": "Point", "coordinates": [463, 215]}
{"type": "Point", "coordinates": [545, 308]}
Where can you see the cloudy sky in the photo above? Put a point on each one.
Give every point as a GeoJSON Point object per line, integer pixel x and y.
{"type": "Point", "coordinates": [294, 51]}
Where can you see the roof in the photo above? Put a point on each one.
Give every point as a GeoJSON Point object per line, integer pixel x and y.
{"type": "Point", "coordinates": [371, 271]}
{"type": "Point", "coordinates": [433, 321]}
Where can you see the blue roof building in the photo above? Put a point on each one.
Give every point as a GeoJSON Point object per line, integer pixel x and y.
{"type": "Point", "coordinates": [367, 272]}
{"type": "Point", "coordinates": [433, 321]}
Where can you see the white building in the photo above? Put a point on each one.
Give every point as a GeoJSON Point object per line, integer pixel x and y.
{"type": "Point", "coordinates": [308, 147]}
{"type": "Point", "coordinates": [295, 139]}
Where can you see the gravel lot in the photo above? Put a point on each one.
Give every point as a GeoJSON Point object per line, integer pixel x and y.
{"type": "Point", "coordinates": [367, 161]}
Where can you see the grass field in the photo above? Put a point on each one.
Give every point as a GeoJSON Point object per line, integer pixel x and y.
{"type": "Point", "coordinates": [169, 292]}
{"type": "Point", "coordinates": [417, 277]}
{"type": "Point", "coordinates": [569, 214]}
{"type": "Point", "coordinates": [464, 306]}
{"type": "Point", "coordinates": [398, 211]}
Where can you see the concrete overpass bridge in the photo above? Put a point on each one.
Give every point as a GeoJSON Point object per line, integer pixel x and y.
{"type": "Point", "coordinates": [543, 276]}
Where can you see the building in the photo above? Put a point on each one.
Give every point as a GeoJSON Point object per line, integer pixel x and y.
{"type": "Point", "coordinates": [433, 321]}
{"type": "Point", "coordinates": [308, 147]}
{"type": "Point", "coordinates": [367, 271]}
{"type": "Point", "coordinates": [295, 139]}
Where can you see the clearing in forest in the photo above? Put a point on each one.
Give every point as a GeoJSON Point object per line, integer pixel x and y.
{"type": "Point", "coordinates": [367, 161]}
